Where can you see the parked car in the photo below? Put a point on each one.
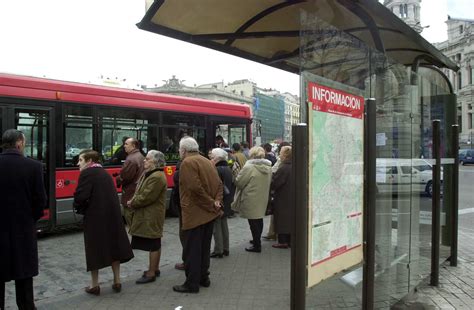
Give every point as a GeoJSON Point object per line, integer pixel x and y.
{"type": "Point", "coordinates": [399, 175]}
{"type": "Point", "coordinates": [466, 156]}
{"type": "Point", "coordinates": [71, 152]}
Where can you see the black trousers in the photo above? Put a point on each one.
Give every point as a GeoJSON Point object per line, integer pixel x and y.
{"type": "Point", "coordinates": [284, 238]}
{"type": "Point", "coordinates": [24, 294]}
{"type": "Point", "coordinates": [256, 227]}
{"type": "Point", "coordinates": [197, 248]}
{"type": "Point", "coordinates": [182, 237]}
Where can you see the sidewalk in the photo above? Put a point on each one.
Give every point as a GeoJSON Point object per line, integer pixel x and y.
{"type": "Point", "coordinates": [242, 280]}
{"type": "Point", "coordinates": [253, 281]}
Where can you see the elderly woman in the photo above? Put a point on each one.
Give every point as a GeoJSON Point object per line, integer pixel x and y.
{"type": "Point", "coordinates": [221, 229]}
{"type": "Point", "coordinates": [282, 205]}
{"type": "Point", "coordinates": [148, 213]}
{"type": "Point", "coordinates": [106, 241]}
{"type": "Point", "coordinates": [251, 197]}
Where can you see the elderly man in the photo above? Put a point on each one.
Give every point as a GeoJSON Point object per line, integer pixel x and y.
{"type": "Point", "coordinates": [23, 200]}
{"type": "Point", "coordinates": [200, 191]}
{"type": "Point", "coordinates": [131, 171]}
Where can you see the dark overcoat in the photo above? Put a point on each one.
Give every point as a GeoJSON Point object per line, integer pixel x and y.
{"type": "Point", "coordinates": [105, 238]}
{"type": "Point", "coordinates": [23, 200]}
{"type": "Point", "coordinates": [225, 175]}
{"type": "Point", "coordinates": [282, 205]}
{"type": "Point", "coordinates": [131, 172]}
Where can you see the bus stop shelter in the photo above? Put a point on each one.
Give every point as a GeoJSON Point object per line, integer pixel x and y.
{"type": "Point", "coordinates": [350, 52]}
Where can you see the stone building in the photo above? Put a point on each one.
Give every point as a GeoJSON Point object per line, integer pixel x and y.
{"type": "Point", "coordinates": [460, 48]}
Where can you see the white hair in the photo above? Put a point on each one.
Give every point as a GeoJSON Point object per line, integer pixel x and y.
{"type": "Point", "coordinates": [219, 154]}
{"type": "Point", "coordinates": [158, 158]}
{"type": "Point", "coordinates": [188, 144]}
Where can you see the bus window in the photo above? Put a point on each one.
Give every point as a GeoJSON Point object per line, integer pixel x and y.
{"type": "Point", "coordinates": [115, 127]}
{"type": "Point", "coordinates": [34, 125]}
{"type": "Point", "coordinates": [231, 133]}
{"type": "Point", "coordinates": [171, 137]}
{"type": "Point", "coordinates": [78, 133]}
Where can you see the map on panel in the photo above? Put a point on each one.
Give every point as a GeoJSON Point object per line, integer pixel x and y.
{"type": "Point", "coordinates": [336, 191]}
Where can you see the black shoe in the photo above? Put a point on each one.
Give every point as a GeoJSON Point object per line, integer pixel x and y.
{"type": "Point", "coordinates": [216, 255]}
{"type": "Point", "coordinates": [144, 279]}
{"type": "Point", "coordinates": [254, 249]}
{"type": "Point", "coordinates": [185, 289]}
{"type": "Point", "coordinates": [205, 282]}
{"type": "Point", "coordinates": [157, 273]}
{"type": "Point", "coordinates": [226, 253]}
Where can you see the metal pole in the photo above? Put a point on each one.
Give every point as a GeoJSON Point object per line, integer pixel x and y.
{"type": "Point", "coordinates": [455, 206]}
{"type": "Point", "coordinates": [369, 205]}
{"type": "Point", "coordinates": [299, 236]}
{"type": "Point", "coordinates": [436, 210]}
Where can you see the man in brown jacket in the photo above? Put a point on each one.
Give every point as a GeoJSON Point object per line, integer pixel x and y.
{"type": "Point", "coordinates": [200, 191]}
{"type": "Point", "coordinates": [131, 171]}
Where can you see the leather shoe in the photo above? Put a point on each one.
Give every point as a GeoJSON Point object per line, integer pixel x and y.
{"type": "Point", "coordinates": [93, 291]}
{"type": "Point", "coordinates": [117, 287]}
{"type": "Point", "coordinates": [185, 289]}
{"type": "Point", "coordinates": [206, 282]}
{"type": "Point", "coordinates": [157, 273]}
{"type": "Point", "coordinates": [144, 279]}
{"type": "Point", "coordinates": [216, 255]}
{"type": "Point", "coordinates": [226, 253]}
{"type": "Point", "coordinates": [253, 249]}
{"type": "Point", "coordinates": [180, 266]}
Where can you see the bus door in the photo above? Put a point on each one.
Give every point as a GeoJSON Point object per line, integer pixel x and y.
{"type": "Point", "coordinates": [36, 125]}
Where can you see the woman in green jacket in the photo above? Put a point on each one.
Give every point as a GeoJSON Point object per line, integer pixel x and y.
{"type": "Point", "coordinates": [148, 213]}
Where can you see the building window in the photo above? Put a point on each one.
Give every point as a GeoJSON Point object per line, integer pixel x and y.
{"type": "Point", "coordinates": [469, 74]}
{"type": "Point", "coordinates": [459, 80]}
{"type": "Point", "coordinates": [461, 29]}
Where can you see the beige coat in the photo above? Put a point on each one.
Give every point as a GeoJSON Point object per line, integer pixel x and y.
{"type": "Point", "coordinates": [253, 187]}
{"type": "Point", "coordinates": [148, 206]}
{"type": "Point", "coordinates": [199, 187]}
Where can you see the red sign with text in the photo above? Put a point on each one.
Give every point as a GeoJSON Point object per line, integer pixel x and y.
{"type": "Point", "coordinates": [335, 101]}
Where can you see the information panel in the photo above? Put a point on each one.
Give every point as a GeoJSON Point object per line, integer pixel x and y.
{"type": "Point", "coordinates": [335, 180]}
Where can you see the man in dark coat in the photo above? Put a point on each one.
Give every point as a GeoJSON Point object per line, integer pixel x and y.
{"type": "Point", "coordinates": [23, 200]}
{"type": "Point", "coordinates": [131, 171]}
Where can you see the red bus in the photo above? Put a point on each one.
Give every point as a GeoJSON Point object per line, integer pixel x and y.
{"type": "Point", "coordinates": [60, 119]}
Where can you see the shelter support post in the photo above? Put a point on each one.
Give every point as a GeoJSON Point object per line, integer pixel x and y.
{"type": "Point", "coordinates": [299, 237]}
{"type": "Point", "coordinates": [455, 196]}
{"type": "Point", "coordinates": [436, 209]}
{"type": "Point", "coordinates": [369, 204]}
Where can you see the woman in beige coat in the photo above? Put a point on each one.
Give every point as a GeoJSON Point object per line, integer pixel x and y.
{"type": "Point", "coordinates": [148, 213]}
{"type": "Point", "coordinates": [251, 197]}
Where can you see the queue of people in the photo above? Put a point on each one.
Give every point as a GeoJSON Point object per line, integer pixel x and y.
{"type": "Point", "coordinates": [207, 191]}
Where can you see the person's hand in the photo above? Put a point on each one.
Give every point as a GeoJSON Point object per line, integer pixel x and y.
{"type": "Point", "coordinates": [129, 204]}
{"type": "Point", "coordinates": [217, 205]}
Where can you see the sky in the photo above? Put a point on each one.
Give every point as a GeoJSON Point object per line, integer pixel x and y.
{"type": "Point", "coordinates": [83, 40]}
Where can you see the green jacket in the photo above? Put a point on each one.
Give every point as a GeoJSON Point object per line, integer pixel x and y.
{"type": "Point", "coordinates": [148, 205]}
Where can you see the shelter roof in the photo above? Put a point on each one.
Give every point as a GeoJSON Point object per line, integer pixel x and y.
{"type": "Point", "coordinates": [270, 31]}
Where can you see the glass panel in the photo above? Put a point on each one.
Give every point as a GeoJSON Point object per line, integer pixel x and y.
{"type": "Point", "coordinates": [339, 65]}
{"type": "Point", "coordinates": [77, 133]}
{"type": "Point", "coordinates": [231, 133]}
{"type": "Point", "coordinates": [116, 126]}
{"type": "Point", "coordinates": [34, 124]}
{"type": "Point", "coordinates": [183, 120]}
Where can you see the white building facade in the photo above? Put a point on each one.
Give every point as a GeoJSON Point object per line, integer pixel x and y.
{"type": "Point", "coordinates": [460, 48]}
